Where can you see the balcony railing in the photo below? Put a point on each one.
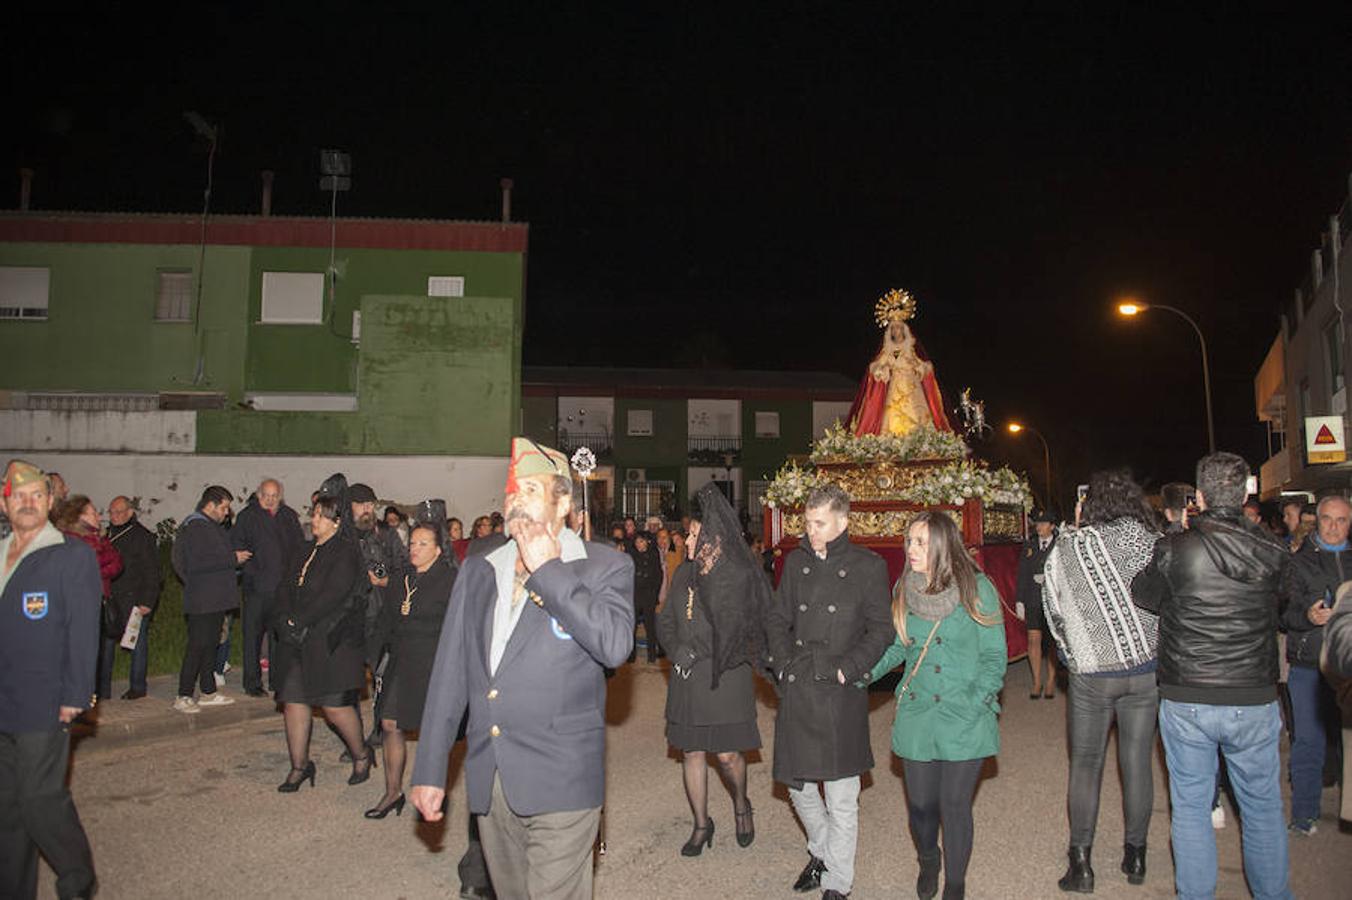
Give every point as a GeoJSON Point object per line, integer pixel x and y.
{"type": "Point", "coordinates": [597, 441]}
{"type": "Point", "coordinates": [714, 450]}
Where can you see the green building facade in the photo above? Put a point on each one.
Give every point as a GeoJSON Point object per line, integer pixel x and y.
{"type": "Point", "coordinates": [285, 335]}
{"type": "Point", "coordinates": [661, 434]}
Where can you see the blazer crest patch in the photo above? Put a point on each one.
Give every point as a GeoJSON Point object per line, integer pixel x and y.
{"type": "Point", "coordinates": [35, 604]}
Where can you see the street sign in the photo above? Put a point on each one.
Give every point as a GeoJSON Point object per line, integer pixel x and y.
{"type": "Point", "coordinates": [1325, 439]}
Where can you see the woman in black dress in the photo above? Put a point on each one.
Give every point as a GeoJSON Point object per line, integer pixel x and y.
{"type": "Point", "coordinates": [711, 627]}
{"type": "Point", "coordinates": [318, 657]}
{"type": "Point", "coordinates": [414, 607]}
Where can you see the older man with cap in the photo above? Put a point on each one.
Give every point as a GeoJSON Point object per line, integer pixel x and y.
{"type": "Point", "coordinates": [49, 631]}
{"type": "Point", "coordinates": [530, 629]}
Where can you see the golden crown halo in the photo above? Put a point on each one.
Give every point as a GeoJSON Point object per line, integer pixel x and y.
{"type": "Point", "coordinates": [895, 304]}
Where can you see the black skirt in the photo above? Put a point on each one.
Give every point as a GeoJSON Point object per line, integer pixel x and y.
{"type": "Point", "coordinates": [740, 736]}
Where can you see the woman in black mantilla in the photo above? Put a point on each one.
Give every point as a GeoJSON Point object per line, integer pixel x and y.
{"type": "Point", "coordinates": [318, 658]}
{"type": "Point", "coordinates": [712, 629]}
{"type": "Point", "coordinates": [411, 616]}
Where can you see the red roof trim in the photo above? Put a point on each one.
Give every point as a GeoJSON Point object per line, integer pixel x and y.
{"type": "Point", "coordinates": [259, 231]}
{"type": "Point", "coordinates": [682, 393]}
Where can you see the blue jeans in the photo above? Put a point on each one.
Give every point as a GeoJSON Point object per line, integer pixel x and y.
{"type": "Point", "coordinates": [1248, 736]}
{"type": "Point", "coordinates": [1311, 704]}
{"type": "Point", "coordinates": [140, 659]}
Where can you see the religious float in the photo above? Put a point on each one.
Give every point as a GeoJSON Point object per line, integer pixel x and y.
{"type": "Point", "coordinates": [898, 455]}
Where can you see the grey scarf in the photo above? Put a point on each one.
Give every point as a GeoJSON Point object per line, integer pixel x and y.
{"type": "Point", "coordinates": [930, 607]}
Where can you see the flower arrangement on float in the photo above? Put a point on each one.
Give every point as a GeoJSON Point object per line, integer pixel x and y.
{"type": "Point", "coordinates": [964, 480]}
{"type": "Point", "coordinates": [951, 484]}
{"type": "Point", "coordinates": [838, 445]}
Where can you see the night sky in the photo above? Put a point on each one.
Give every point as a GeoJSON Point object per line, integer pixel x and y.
{"type": "Point", "coordinates": [736, 188]}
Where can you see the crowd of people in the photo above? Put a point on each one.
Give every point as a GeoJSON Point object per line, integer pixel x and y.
{"type": "Point", "coordinates": [504, 636]}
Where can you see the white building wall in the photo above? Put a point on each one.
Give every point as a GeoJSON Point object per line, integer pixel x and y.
{"type": "Point", "coordinates": [169, 485]}
{"type": "Point", "coordinates": [715, 418]}
{"type": "Point", "coordinates": [698, 476]}
{"type": "Point", "coordinates": [104, 430]}
{"type": "Point", "coordinates": [824, 415]}
{"type": "Point", "coordinates": [587, 414]}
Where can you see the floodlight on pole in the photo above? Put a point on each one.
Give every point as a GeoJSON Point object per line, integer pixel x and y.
{"type": "Point", "coordinates": [336, 168]}
{"type": "Point", "coordinates": [1019, 428]}
{"type": "Point", "coordinates": [211, 134]}
{"type": "Point", "coordinates": [1131, 307]}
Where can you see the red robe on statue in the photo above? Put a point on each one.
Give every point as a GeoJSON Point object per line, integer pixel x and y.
{"type": "Point", "coordinates": [870, 404]}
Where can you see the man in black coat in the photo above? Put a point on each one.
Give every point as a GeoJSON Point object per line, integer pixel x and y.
{"type": "Point", "coordinates": [206, 563]}
{"type": "Point", "coordinates": [384, 554]}
{"type": "Point", "coordinates": [49, 625]}
{"type": "Point", "coordinates": [136, 588]}
{"type": "Point", "coordinates": [530, 629]}
{"type": "Point", "coordinates": [270, 531]}
{"type": "Point", "coordinates": [1029, 600]}
{"type": "Point", "coordinates": [830, 622]}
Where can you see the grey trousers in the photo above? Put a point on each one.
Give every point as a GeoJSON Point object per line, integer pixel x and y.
{"type": "Point", "coordinates": [1095, 701]}
{"type": "Point", "coordinates": [832, 827]}
{"type": "Point", "coordinates": [544, 857]}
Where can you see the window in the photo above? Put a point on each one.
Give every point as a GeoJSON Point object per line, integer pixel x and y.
{"type": "Point", "coordinates": [446, 286]}
{"type": "Point", "coordinates": [767, 424]}
{"type": "Point", "coordinates": [23, 292]}
{"type": "Point", "coordinates": [640, 423]}
{"type": "Point", "coordinates": [293, 298]}
{"type": "Point", "coordinates": [173, 296]}
{"type": "Point", "coordinates": [1333, 356]}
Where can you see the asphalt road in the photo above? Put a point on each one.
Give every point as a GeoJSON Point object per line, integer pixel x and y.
{"type": "Point", "coordinates": [178, 808]}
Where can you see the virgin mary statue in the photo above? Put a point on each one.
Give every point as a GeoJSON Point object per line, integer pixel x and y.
{"type": "Point", "coordinates": [899, 393]}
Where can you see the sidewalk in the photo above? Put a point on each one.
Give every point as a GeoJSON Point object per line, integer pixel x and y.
{"type": "Point", "coordinates": [117, 722]}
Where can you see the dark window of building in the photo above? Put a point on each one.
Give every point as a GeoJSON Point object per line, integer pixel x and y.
{"type": "Point", "coordinates": [1333, 356]}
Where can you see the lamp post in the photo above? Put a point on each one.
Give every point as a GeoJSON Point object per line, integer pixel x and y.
{"type": "Point", "coordinates": [1019, 428]}
{"type": "Point", "coordinates": [1130, 308]}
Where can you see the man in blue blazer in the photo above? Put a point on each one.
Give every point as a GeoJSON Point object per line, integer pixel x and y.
{"type": "Point", "coordinates": [49, 641]}
{"type": "Point", "coordinates": [529, 629]}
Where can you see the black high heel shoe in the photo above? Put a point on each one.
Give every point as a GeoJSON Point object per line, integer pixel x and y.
{"type": "Point", "coordinates": [699, 839]}
{"type": "Point", "coordinates": [748, 834]}
{"type": "Point", "coordinates": [361, 776]}
{"type": "Point", "coordinates": [380, 812]}
{"type": "Point", "coordinates": [292, 783]}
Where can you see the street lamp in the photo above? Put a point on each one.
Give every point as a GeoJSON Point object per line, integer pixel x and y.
{"type": "Point", "coordinates": [1131, 308]}
{"type": "Point", "coordinates": [1017, 428]}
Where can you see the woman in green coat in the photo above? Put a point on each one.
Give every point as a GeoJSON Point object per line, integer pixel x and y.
{"type": "Point", "coordinates": [951, 636]}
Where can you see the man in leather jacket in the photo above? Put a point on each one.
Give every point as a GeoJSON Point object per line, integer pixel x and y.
{"type": "Point", "coordinates": [1216, 588]}
{"type": "Point", "coordinates": [1317, 569]}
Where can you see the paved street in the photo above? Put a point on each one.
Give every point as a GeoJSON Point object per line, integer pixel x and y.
{"type": "Point", "coordinates": [180, 806]}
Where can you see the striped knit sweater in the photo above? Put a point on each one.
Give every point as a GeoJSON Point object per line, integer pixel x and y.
{"type": "Point", "coordinates": [1086, 594]}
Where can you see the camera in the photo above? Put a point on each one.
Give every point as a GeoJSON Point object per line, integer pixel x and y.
{"type": "Point", "coordinates": [379, 570]}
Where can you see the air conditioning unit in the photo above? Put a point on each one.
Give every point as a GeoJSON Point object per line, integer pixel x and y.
{"type": "Point", "coordinates": [635, 474]}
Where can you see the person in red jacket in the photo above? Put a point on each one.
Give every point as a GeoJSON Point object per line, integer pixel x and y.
{"type": "Point", "coordinates": [78, 517]}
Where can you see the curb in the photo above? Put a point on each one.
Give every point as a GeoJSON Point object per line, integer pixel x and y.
{"type": "Point", "coordinates": [123, 731]}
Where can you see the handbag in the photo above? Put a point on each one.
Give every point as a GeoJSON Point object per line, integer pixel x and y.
{"type": "Point", "coordinates": [108, 619]}
{"type": "Point", "coordinates": [918, 660]}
